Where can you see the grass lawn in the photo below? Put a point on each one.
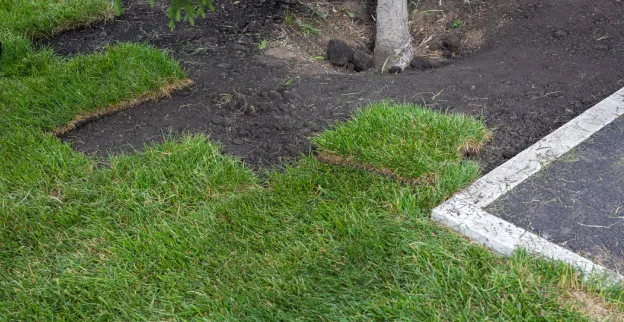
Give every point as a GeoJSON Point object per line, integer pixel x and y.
{"type": "Point", "coordinates": [37, 18]}
{"type": "Point", "coordinates": [181, 231]}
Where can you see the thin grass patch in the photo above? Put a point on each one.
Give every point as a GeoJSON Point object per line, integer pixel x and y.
{"type": "Point", "coordinates": [40, 92]}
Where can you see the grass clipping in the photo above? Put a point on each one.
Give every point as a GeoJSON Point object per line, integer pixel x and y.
{"type": "Point", "coordinates": [407, 142]}
{"type": "Point", "coordinates": [162, 92]}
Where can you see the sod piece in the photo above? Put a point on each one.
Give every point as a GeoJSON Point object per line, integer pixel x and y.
{"type": "Point", "coordinates": [405, 140]}
{"type": "Point", "coordinates": [38, 18]}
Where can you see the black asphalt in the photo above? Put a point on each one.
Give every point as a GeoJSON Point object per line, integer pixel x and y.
{"type": "Point", "coordinates": [577, 201]}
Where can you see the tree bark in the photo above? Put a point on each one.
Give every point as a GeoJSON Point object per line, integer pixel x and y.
{"type": "Point", "coordinates": [393, 42]}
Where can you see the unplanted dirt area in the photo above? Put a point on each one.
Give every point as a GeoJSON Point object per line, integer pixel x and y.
{"type": "Point", "coordinates": [526, 67]}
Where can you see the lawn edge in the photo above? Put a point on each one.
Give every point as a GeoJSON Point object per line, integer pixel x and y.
{"type": "Point", "coordinates": [151, 95]}
{"type": "Point", "coordinates": [72, 25]}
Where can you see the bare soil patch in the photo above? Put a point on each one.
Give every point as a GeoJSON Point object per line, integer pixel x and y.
{"type": "Point", "coordinates": [526, 67]}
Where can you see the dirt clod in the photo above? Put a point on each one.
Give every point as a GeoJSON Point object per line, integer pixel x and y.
{"type": "Point", "coordinates": [362, 61]}
{"type": "Point", "coordinates": [339, 53]}
{"type": "Point", "coordinates": [421, 63]}
{"type": "Point", "coordinates": [452, 42]}
{"type": "Point", "coordinates": [395, 70]}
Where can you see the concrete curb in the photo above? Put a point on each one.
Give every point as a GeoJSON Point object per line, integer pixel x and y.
{"type": "Point", "coordinates": [464, 212]}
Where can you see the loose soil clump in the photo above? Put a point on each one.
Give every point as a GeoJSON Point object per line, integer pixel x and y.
{"type": "Point", "coordinates": [526, 67]}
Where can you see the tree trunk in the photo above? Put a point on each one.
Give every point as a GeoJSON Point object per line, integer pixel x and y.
{"type": "Point", "coordinates": [393, 43]}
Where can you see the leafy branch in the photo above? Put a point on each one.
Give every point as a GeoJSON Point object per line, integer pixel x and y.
{"type": "Point", "coordinates": [187, 10]}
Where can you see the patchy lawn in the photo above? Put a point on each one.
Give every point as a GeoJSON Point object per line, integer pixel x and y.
{"type": "Point", "coordinates": [181, 231]}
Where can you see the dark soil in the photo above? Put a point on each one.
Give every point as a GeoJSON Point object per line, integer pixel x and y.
{"type": "Point", "coordinates": [549, 62]}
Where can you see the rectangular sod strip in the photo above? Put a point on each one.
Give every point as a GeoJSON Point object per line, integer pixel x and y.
{"type": "Point", "coordinates": [180, 231]}
{"type": "Point", "coordinates": [406, 141]}
{"type": "Point", "coordinates": [37, 18]}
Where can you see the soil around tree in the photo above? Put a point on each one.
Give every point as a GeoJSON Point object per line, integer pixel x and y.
{"type": "Point", "coordinates": [542, 64]}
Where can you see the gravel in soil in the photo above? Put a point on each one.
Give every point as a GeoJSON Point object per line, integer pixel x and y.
{"type": "Point", "coordinates": [549, 62]}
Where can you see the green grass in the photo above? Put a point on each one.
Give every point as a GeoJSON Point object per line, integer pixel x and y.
{"type": "Point", "coordinates": [411, 141]}
{"type": "Point", "coordinates": [122, 71]}
{"type": "Point", "coordinates": [41, 91]}
{"type": "Point", "coordinates": [181, 231]}
{"type": "Point", "coordinates": [36, 18]}
{"type": "Point", "coordinates": [457, 24]}
{"type": "Point", "coordinates": [60, 89]}
{"type": "Point", "coordinates": [263, 44]}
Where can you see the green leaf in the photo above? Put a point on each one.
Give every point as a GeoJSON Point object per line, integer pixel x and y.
{"type": "Point", "coordinates": [118, 7]}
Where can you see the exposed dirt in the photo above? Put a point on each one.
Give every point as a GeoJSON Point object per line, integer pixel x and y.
{"type": "Point", "coordinates": [540, 63]}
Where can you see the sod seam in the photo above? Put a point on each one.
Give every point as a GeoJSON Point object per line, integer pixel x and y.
{"type": "Point", "coordinates": [347, 161]}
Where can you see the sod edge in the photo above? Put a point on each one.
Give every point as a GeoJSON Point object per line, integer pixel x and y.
{"type": "Point", "coordinates": [152, 95]}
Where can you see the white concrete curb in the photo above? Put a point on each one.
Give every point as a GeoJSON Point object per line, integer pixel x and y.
{"type": "Point", "coordinates": [464, 212]}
